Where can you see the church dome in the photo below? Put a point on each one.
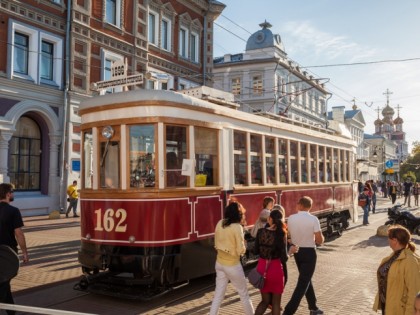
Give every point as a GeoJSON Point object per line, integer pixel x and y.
{"type": "Point", "coordinates": [264, 38]}
{"type": "Point", "coordinates": [388, 111]}
{"type": "Point", "coordinates": [378, 122]}
{"type": "Point", "coordinates": [398, 120]}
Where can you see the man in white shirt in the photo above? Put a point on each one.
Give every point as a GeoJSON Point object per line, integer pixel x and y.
{"type": "Point", "coordinates": [306, 233]}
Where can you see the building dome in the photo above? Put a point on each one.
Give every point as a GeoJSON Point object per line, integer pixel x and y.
{"type": "Point", "coordinates": [388, 111]}
{"type": "Point", "coordinates": [264, 38]}
{"type": "Point", "coordinates": [378, 122]}
{"type": "Point", "coordinates": [398, 120]}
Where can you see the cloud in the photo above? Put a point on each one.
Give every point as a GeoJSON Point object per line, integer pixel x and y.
{"type": "Point", "coordinates": [302, 38]}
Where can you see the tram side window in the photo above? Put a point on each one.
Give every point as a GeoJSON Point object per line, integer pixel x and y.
{"type": "Point", "coordinates": [88, 159]}
{"type": "Point", "coordinates": [142, 156]}
{"type": "Point", "coordinates": [269, 160]}
{"type": "Point", "coordinates": [328, 164]}
{"type": "Point", "coordinates": [176, 151]}
{"type": "Point", "coordinates": [256, 161]}
{"type": "Point", "coordinates": [312, 163]}
{"type": "Point", "coordinates": [293, 161]}
{"type": "Point", "coordinates": [336, 166]}
{"type": "Point", "coordinates": [303, 165]}
{"type": "Point", "coordinates": [321, 165]}
{"type": "Point", "coordinates": [283, 161]}
{"type": "Point", "coordinates": [344, 163]}
{"type": "Point", "coordinates": [206, 155]}
{"type": "Point", "coordinates": [239, 147]}
{"type": "Point", "coordinates": [110, 161]}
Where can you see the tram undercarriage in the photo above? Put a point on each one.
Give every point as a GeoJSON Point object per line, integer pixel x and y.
{"type": "Point", "coordinates": [334, 223]}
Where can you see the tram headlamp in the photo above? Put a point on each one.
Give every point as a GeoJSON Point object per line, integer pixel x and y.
{"type": "Point", "coordinates": [132, 239]}
{"type": "Point", "coordinates": [107, 132]}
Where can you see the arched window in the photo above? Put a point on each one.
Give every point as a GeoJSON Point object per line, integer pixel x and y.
{"type": "Point", "coordinates": [25, 155]}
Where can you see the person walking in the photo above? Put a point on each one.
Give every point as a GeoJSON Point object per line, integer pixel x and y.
{"type": "Point", "coordinates": [393, 192]}
{"type": "Point", "coordinates": [416, 191]}
{"type": "Point", "coordinates": [271, 246]}
{"type": "Point", "coordinates": [11, 234]}
{"type": "Point", "coordinates": [398, 275]}
{"type": "Point", "coordinates": [364, 201]}
{"type": "Point", "coordinates": [407, 187]}
{"type": "Point", "coordinates": [374, 194]}
{"type": "Point", "coordinates": [73, 193]}
{"type": "Point", "coordinates": [305, 232]}
{"type": "Point", "coordinates": [230, 245]}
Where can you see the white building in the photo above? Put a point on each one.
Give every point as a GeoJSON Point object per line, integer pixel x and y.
{"type": "Point", "coordinates": [264, 79]}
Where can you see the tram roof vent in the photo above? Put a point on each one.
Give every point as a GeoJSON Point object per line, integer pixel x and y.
{"type": "Point", "coordinates": [212, 95]}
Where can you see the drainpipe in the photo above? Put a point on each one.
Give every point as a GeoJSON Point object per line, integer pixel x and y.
{"type": "Point", "coordinates": [62, 196]}
{"type": "Point", "coordinates": [205, 47]}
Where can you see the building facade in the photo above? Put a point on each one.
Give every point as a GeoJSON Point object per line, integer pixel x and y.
{"type": "Point", "coordinates": [52, 54]}
{"type": "Point", "coordinates": [264, 79]}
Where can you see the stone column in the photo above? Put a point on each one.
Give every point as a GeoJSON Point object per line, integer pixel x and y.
{"type": "Point", "coordinates": [5, 136]}
{"type": "Point", "coordinates": [54, 178]}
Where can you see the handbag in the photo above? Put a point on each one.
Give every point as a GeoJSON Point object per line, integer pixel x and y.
{"type": "Point", "coordinates": [68, 199]}
{"type": "Point", "coordinates": [362, 202]}
{"type": "Point", "coordinates": [256, 279]}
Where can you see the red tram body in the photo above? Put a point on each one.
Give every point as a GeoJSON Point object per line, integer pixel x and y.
{"type": "Point", "coordinates": [145, 235]}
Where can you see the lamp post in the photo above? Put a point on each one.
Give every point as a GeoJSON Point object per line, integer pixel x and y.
{"type": "Point", "coordinates": [383, 157]}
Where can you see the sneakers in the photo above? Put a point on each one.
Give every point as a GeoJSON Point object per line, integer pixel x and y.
{"type": "Point", "coordinates": [75, 216]}
{"type": "Point", "coordinates": [316, 312]}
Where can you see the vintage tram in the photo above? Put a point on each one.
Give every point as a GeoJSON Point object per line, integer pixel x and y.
{"type": "Point", "coordinates": [158, 168]}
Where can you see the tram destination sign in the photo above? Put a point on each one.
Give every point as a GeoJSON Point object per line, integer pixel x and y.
{"type": "Point", "coordinates": [125, 81]}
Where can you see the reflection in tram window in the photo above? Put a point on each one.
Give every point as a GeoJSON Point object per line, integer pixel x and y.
{"type": "Point", "coordinates": [110, 164]}
{"type": "Point", "coordinates": [142, 156]}
{"type": "Point", "coordinates": [321, 163]}
{"type": "Point", "coordinates": [335, 167]}
{"type": "Point", "coordinates": [269, 160]}
{"type": "Point", "coordinates": [176, 151]}
{"type": "Point", "coordinates": [283, 161]}
{"type": "Point", "coordinates": [239, 158]}
{"type": "Point", "coordinates": [312, 163]}
{"type": "Point", "coordinates": [303, 165]}
{"type": "Point", "coordinates": [293, 162]}
{"type": "Point", "coordinates": [328, 164]}
{"type": "Point", "coordinates": [206, 154]}
{"type": "Point", "coordinates": [88, 159]}
{"type": "Point", "coordinates": [256, 160]}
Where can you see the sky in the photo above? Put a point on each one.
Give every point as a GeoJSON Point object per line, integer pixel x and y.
{"type": "Point", "coordinates": [330, 32]}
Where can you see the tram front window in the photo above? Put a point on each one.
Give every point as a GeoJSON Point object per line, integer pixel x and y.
{"type": "Point", "coordinates": [142, 156]}
{"type": "Point", "coordinates": [110, 160]}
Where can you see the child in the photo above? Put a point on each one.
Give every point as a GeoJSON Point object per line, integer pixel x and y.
{"type": "Point", "coordinates": [268, 204]}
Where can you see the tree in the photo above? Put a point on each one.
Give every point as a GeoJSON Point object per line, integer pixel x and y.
{"type": "Point", "coordinates": [412, 164]}
{"type": "Point", "coordinates": [411, 175]}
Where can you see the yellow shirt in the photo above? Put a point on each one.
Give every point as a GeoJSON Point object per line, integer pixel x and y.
{"type": "Point", "coordinates": [229, 242]}
{"type": "Point", "coordinates": [72, 191]}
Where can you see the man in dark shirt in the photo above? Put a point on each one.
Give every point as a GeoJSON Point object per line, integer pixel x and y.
{"type": "Point", "coordinates": [11, 234]}
{"type": "Point", "coordinates": [408, 185]}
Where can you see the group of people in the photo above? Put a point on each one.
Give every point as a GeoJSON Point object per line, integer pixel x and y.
{"type": "Point", "coordinates": [396, 189]}
{"type": "Point", "coordinates": [275, 242]}
{"type": "Point", "coordinates": [398, 275]}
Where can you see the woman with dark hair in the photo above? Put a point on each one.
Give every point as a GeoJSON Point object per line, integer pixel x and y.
{"type": "Point", "coordinates": [230, 245]}
{"type": "Point", "coordinates": [398, 275]}
{"type": "Point", "coordinates": [271, 245]}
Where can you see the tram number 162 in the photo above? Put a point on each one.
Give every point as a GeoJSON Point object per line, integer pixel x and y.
{"type": "Point", "coordinates": [110, 220]}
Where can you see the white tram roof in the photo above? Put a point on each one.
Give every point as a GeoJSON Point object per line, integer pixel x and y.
{"type": "Point", "coordinates": [230, 113]}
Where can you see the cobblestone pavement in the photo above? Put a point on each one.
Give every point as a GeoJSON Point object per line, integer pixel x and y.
{"type": "Point", "coordinates": [344, 280]}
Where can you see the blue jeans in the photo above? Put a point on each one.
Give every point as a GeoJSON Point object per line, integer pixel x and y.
{"type": "Point", "coordinates": [365, 214]}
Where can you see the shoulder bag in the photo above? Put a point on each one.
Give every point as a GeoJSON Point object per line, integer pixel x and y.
{"type": "Point", "coordinates": [256, 279]}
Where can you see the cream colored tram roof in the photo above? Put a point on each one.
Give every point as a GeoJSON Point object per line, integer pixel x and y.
{"type": "Point", "coordinates": [179, 98]}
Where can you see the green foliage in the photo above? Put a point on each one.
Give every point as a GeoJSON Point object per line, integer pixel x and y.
{"type": "Point", "coordinates": [416, 148]}
{"type": "Point", "coordinates": [412, 164]}
{"type": "Point", "coordinates": [410, 174]}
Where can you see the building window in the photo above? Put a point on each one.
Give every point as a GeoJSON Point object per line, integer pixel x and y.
{"type": "Point", "coordinates": [25, 155]}
{"type": "Point", "coordinates": [194, 47]}
{"type": "Point", "coordinates": [113, 12]}
{"type": "Point", "coordinates": [21, 53]}
{"type": "Point", "coordinates": [236, 86]}
{"type": "Point", "coordinates": [183, 42]}
{"type": "Point", "coordinates": [107, 59]}
{"type": "Point", "coordinates": [47, 58]}
{"type": "Point", "coordinates": [166, 35]}
{"type": "Point", "coordinates": [36, 56]}
{"type": "Point", "coordinates": [153, 28]}
{"type": "Point", "coordinates": [257, 86]}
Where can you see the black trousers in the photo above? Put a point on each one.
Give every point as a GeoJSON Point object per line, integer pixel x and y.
{"type": "Point", "coordinates": [6, 295]}
{"type": "Point", "coordinates": [305, 262]}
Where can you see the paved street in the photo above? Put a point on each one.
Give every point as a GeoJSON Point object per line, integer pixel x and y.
{"type": "Point", "coordinates": [345, 278]}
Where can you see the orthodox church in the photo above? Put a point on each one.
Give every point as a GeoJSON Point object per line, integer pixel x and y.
{"type": "Point", "coordinates": [392, 129]}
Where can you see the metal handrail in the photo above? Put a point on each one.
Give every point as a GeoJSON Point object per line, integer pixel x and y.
{"type": "Point", "coordinates": [38, 310]}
